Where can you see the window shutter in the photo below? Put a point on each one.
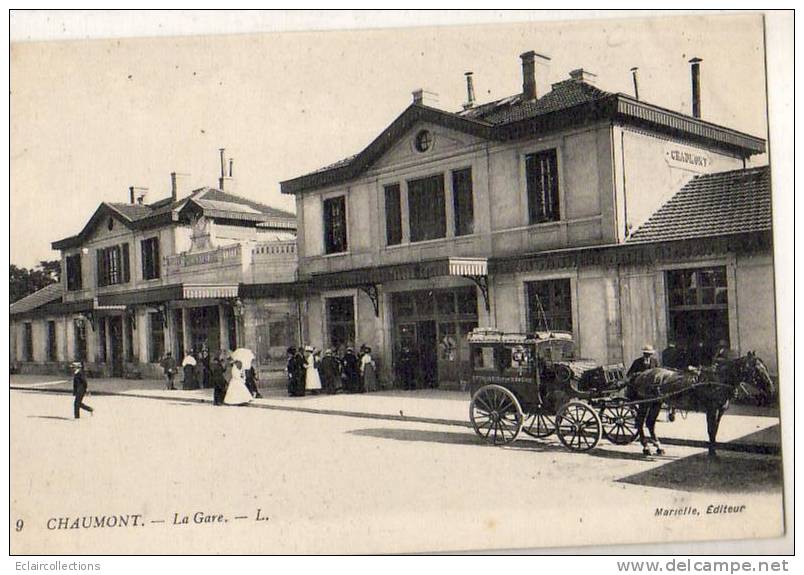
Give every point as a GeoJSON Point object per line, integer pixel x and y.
{"type": "Point", "coordinates": [100, 267]}
{"type": "Point", "coordinates": [393, 215]}
{"type": "Point", "coordinates": [125, 261]}
{"type": "Point", "coordinates": [155, 256]}
{"type": "Point", "coordinates": [77, 275]}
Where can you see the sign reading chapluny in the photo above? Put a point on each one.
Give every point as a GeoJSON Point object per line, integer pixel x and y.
{"type": "Point", "coordinates": [687, 158]}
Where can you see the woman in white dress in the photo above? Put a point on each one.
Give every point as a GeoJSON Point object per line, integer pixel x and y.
{"type": "Point", "coordinates": [237, 393]}
{"type": "Point", "coordinates": [312, 382]}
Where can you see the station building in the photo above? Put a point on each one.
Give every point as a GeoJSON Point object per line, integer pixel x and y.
{"type": "Point", "coordinates": [563, 207]}
{"type": "Point", "coordinates": [144, 278]}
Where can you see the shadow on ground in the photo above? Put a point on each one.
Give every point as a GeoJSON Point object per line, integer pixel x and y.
{"type": "Point", "coordinates": [470, 438]}
{"type": "Point", "coordinates": [728, 473]}
{"type": "Point", "coordinates": [56, 417]}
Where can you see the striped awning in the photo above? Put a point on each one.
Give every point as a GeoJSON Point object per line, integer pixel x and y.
{"type": "Point", "coordinates": [209, 291]}
{"type": "Point", "coordinates": [451, 266]}
{"type": "Point", "coordinates": [468, 266]}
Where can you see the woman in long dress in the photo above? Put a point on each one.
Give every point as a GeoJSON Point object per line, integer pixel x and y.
{"type": "Point", "coordinates": [237, 393]}
{"type": "Point", "coordinates": [312, 381]}
{"type": "Point", "coordinates": [368, 370]}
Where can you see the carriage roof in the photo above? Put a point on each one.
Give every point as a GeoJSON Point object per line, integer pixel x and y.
{"type": "Point", "coordinates": [487, 335]}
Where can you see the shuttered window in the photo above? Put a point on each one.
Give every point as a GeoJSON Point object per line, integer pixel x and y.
{"type": "Point", "coordinates": [113, 265]}
{"type": "Point", "coordinates": [73, 265]}
{"type": "Point", "coordinates": [541, 173]}
{"type": "Point", "coordinates": [335, 225]}
{"type": "Point", "coordinates": [150, 258]}
{"type": "Point", "coordinates": [393, 215]}
{"type": "Point", "coordinates": [427, 210]}
{"type": "Point", "coordinates": [463, 202]}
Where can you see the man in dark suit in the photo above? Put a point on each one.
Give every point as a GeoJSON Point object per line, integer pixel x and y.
{"type": "Point", "coordinates": [218, 381]}
{"type": "Point", "coordinates": [79, 389]}
{"type": "Point", "coordinates": [644, 363]}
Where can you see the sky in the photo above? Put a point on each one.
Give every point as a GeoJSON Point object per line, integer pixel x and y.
{"type": "Point", "coordinates": [89, 118]}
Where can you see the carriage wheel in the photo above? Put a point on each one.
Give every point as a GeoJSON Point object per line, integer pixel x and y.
{"type": "Point", "coordinates": [539, 425]}
{"type": "Point", "coordinates": [578, 426]}
{"type": "Point", "coordinates": [496, 414]}
{"type": "Point", "coordinates": [619, 423]}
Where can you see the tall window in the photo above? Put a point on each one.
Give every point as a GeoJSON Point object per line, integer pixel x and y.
{"type": "Point", "coordinates": [113, 265]}
{"type": "Point", "coordinates": [51, 341]}
{"type": "Point", "coordinates": [341, 321]}
{"type": "Point", "coordinates": [463, 202]}
{"type": "Point", "coordinates": [698, 309]}
{"type": "Point", "coordinates": [27, 342]}
{"type": "Point", "coordinates": [80, 330]}
{"type": "Point", "coordinates": [74, 280]}
{"type": "Point", "coordinates": [150, 258]}
{"type": "Point", "coordinates": [335, 225]}
{"type": "Point", "coordinates": [393, 215]}
{"type": "Point", "coordinates": [156, 347]}
{"type": "Point", "coordinates": [549, 305]}
{"type": "Point", "coordinates": [428, 217]}
{"type": "Point", "coordinates": [541, 173]}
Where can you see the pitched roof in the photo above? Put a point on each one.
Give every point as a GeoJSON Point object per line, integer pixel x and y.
{"type": "Point", "coordinates": [569, 103]}
{"type": "Point", "coordinates": [722, 203]}
{"type": "Point", "coordinates": [47, 294]}
{"type": "Point", "coordinates": [218, 204]}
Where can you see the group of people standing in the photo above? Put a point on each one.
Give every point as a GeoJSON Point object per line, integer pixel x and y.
{"type": "Point", "coordinates": [233, 382]}
{"type": "Point", "coordinates": [311, 371]}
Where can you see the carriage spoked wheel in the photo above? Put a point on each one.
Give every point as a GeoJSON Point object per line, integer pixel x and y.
{"type": "Point", "coordinates": [496, 414]}
{"type": "Point", "coordinates": [619, 423]}
{"type": "Point", "coordinates": [578, 426]}
{"type": "Point", "coordinates": [539, 425]}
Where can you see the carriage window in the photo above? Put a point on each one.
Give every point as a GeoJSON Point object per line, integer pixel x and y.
{"type": "Point", "coordinates": [483, 358]}
{"type": "Point", "coordinates": [557, 350]}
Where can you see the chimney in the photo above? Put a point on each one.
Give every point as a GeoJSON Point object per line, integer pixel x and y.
{"type": "Point", "coordinates": [137, 195]}
{"type": "Point", "coordinates": [530, 78]}
{"type": "Point", "coordinates": [636, 84]}
{"type": "Point", "coordinates": [231, 163]}
{"type": "Point", "coordinates": [424, 98]}
{"type": "Point", "coordinates": [695, 70]}
{"type": "Point", "coordinates": [470, 91]}
{"type": "Point", "coordinates": [225, 183]}
{"type": "Point", "coordinates": [177, 185]}
{"type": "Point", "coordinates": [581, 75]}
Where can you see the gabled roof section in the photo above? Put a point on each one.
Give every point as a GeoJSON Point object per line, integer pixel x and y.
{"type": "Point", "coordinates": [214, 203]}
{"type": "Point", "coordinates": [353, 166]}
{"type": "Point", "coordinates": [41, 297]}
{"type": "Point", "coordinates": [568, 104]}
{"type": "Point", "coordinates": [724, 203]}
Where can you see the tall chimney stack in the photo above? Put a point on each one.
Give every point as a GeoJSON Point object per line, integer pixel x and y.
{"type": "Point", "coordinates": [174, 187]}
{"type": "Point", "coordinates": [636, 84]}
{"type": "Point", "coordinates": [529, 77]}
{"type": "Point", "coordinates": [137, 194]}
{"type": "Point", "coordinates": [695, 70]}
{"type": "Point", "coordinates": [470, 91]}
{"type": "Point", "coordinates": [131, 192]}
{"type": "Point", "coordinates": [231, 163]}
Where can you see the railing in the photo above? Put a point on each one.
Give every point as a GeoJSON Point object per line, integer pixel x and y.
{"type": "Point", "coordinates": [283, 248]}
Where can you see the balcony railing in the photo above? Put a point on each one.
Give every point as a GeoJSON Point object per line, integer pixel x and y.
{"type": "Point", "coordinates": [237, 262]}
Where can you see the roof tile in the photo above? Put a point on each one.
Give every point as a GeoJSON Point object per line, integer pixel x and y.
{"type": "Point", "coordinates": [716, 204]}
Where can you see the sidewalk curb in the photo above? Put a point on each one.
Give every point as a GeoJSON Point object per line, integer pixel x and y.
{"type": "Point", "coordinates": [756, 448]}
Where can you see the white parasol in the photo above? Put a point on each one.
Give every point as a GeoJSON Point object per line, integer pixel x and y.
{"type": "Point", "coordinates": [188, 360]}
{"type": "Point", "coordinates": [245, 356]}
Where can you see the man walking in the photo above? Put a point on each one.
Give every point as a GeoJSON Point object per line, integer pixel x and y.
{"type": "Point", "coordinates": [168, 364]}
{"type": "Point", "coordinates": [79, 389]}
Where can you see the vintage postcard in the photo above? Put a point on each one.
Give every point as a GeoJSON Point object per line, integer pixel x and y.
{"type": "Point", "coordinates": [395, 289]}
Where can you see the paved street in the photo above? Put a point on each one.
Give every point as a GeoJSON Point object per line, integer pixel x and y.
{"type": "Point", "coordinates": [330, 483]}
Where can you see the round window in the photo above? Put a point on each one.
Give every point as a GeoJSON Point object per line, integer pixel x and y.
{"type": "Point", "coordinates": [424, 140]}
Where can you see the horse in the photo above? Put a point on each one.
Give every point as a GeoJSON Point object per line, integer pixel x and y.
{"type": "Point", "coordinates": [709, 389]}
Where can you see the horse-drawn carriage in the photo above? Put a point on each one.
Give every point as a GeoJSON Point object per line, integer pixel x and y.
{"type": "Point", "coordinates": [535, 384]}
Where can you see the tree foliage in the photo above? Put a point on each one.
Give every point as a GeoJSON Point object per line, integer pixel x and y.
{"type": "Point", "coordinates": [24, 281]}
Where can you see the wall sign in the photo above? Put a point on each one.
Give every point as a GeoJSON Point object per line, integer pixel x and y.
{"type": "Point", "coordinates": [687, 158]}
